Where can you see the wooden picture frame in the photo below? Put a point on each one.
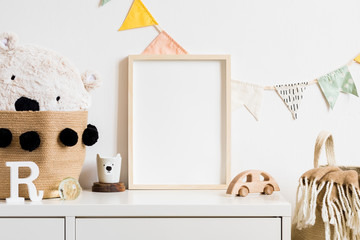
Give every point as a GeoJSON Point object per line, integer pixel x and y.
{"type": "Point", "coordinates": [197, 89]}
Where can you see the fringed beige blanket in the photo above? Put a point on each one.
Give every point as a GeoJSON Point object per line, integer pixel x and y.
{"type": "Point", "coordinates": [336, 193]}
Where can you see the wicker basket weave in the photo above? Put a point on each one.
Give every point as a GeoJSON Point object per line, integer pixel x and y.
{"type": "Point", "coordinates": [54, 160]}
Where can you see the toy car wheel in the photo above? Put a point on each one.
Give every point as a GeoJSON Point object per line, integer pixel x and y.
{"type": "Point", "coordinates": [268, 190]}
{"type": "Point", "coordinates": [243, 191]}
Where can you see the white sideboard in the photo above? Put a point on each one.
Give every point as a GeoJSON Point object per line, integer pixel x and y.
{"type": "Point", "coordinates": [149, 214]}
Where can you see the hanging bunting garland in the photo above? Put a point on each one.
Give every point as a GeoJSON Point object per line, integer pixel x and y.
{"type": "Point", "coordinates": [292, 94]}
{"type": "Point", "coordinates": [248, 95]}
{"type": "Point", "coordinates": [164, 44]}
{"type": "Point", "coordinates": [137, 17]}
{"type": "Point", "coordinates": [331, 84]}
{"type": "Point", "coordinates": [245, 94]}
{"type": "Point", "coordinates": [339, 80]}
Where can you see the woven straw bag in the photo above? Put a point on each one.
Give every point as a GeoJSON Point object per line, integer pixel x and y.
{"type": "Point", "coordinates": [55, 161]}
{"type": "Point", "coordinates": [317, 231]}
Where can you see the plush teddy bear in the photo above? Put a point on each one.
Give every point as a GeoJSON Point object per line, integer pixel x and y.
{"type": "Point", "coordinates": [33, 78]}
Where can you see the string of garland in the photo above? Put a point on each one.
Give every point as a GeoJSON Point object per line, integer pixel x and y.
{"type": "Point", "coordinates": [246, 94]}
{"type": "Point", "coordinates": [315, 81]}
{"type": "Point", "coordinates": [331, 84]}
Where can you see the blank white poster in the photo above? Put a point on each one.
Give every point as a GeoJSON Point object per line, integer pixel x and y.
{"type": "Point", "coordinates": [179, 122]}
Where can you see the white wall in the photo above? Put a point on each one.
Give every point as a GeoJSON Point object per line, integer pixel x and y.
{"type": "Point", "coordinates": [278, 41]}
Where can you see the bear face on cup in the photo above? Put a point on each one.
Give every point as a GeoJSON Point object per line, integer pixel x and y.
{"type": "Point", "coordinates": [109, 168]}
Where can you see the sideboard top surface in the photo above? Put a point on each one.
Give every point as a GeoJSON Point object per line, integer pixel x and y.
{"type": "Point", "coordinates": [154, 203]}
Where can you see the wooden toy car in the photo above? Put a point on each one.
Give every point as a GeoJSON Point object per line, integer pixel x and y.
{"type": "Point", "coordinates": [250, 181]}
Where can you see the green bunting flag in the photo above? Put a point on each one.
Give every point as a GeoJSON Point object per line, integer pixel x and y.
{"type": "Point", "coordinates": [339, 80]}
{"type": "Point", "coordinates": [103, 2]}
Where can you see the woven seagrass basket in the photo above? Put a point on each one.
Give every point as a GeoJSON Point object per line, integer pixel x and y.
{"type": "Point", "coordinates": [324, 142]}
{"type": "Point", "coordinates": [54, 160]}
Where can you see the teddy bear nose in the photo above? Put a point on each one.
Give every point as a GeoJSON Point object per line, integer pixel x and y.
{"type": "Point", "coordinates": [26, 104]}
{"type": "Point", "coordinates": [108, 168]}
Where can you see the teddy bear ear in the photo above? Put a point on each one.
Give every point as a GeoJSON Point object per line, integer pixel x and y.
{"type": "Point", "coordinates": [91, 80]}
{"type": "Point", "coordinates": [8, 41]}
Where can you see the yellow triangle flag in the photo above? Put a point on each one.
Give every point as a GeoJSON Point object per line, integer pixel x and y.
{"type": "Point", "coordinates": [138, 16]}
{"type": "Point", "coordinates": [357, 59]}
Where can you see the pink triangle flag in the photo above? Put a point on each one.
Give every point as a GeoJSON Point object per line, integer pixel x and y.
{"type": "Point", "coordinates": [164, 44]}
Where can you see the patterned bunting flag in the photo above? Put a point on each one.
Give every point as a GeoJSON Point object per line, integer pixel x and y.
{"type": "Point", "coordinates": [292, 94]}
{"type": "Point", "coordinates": [248, 95]}
{"type": "Point", "coordinates": [103, 2]}
{"type": "Point", "coordinates": [339, 80]}
{"type": "Point", "coordinates": [164, 44]}
{"type": "Point", "coordinates": [138, 16]}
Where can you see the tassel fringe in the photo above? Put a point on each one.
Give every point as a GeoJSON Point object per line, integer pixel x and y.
{"type": "Point", "coordinates": [341, 215]}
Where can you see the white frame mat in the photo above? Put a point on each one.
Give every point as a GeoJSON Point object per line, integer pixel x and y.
{"type": "Point", "coordinates": [179, 121]}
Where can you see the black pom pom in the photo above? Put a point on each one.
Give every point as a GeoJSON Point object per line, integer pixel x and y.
{"type": "Point", "coordinates": [68, 137]}
{"type": "Point", "coordinates": [29, 141]}
{"type": "Point", "coordinates": [5, 137]}
{"type": "Point", "coordinates": [26, 104]}
{"type": "Point", "coordinates": [90, 135]}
